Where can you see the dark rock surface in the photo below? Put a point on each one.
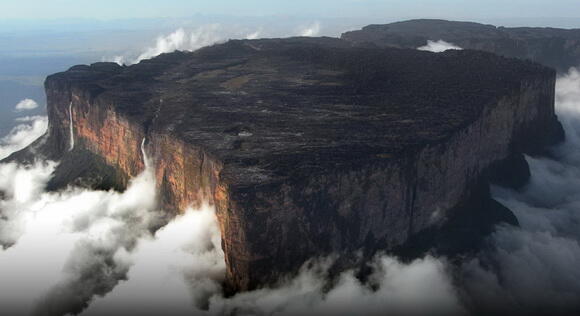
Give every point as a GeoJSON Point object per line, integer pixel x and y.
{"type": "Point", "coordinates": [306, 146]}
{"type": "Point", "coordinates": [557, 48]}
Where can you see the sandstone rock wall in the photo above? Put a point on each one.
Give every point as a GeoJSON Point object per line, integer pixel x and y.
{"type": "Point", "coordinates": [97, 128]}
{"type": "Point", "coordinates": [271, 230]}
{"type": "Point", "coordinates": [185, 175]}
{"type": "Point", "coordinates": [380, 206]}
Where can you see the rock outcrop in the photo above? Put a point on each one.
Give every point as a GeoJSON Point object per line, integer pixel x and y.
{"type": "Point", "coordinates": [556, 48]}
{"type": "Point", "coordinates": [306, 147]}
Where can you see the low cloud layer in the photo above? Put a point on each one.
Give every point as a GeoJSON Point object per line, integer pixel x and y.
{"type": "Point", "coordinates": [26, 104]}
{"type": "Point", "coordinates": [438, 46]}
{"type": "Point", "coordinates": [61, 249]}
{"type": "Point", "coordinates": [422, 287]}
{"type": "Point", "coordinates": [175, 271]}
{"type": "Point", "coordinates": [532, 269]}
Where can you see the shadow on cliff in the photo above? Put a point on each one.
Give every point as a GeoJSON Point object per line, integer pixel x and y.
{"type": "Point", "coordinates": [531, 269]}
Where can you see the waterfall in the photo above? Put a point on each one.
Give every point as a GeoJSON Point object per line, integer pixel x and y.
{"type": "Point", "coordinates": [72, 136]}
{"type": "Point", "coordinates": [144, 153]}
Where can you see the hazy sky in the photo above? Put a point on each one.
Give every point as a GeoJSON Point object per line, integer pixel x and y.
{"type": "Point", "coordinates": [113, 9]}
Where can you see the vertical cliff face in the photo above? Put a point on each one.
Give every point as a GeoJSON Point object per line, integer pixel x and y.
{"type": "Point", "coordinates": [380, 205]}
{"type": "Point", "coordinates": [186, 175]}
{"type": "Point", "coordinates": [306, 147]}
{"type": "Point", "coordinates": [96, 128]}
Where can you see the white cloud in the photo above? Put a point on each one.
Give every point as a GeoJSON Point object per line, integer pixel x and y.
{"type": "Point", "coordinates": [419, 288]}
{"type": "Point", "coordinates": [23, 135]}
{"type": "Point", "coordinates": [181, 39]}
{"type": "Point", "coordinates": [165, 44]}
{"type": "Point", "coordinates": [26, 104]}
{"type": "Point", "coordinates": [254, 35]}
{"type": "Point", "coordinates": [176, 270]}
{"type": "Point", "coordinates": [64, 248]}
{"type": "Point", "coordinates": [118, 59]}
{"type": "Point", "coordinates": [534, 267]}
{"type": "Point", "coordinates": [438, 46]}
{"type": "Point", "coordinates": [311, 30]}
{"type": "Point", "coordinates": [206, 35]}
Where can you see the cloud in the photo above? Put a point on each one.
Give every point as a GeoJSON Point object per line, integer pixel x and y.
{"type": "Point", "coordinates": [311, 30]}
{"type": "Point", "coordinates": [180, 270]}
{"type": "Point", "coordinates": [533, 268]}
{"type": "Point", "coordinates": [61, 249]}
{"type": "Point", "coordinates": [438, 46]}
{"type": "Point", "coordinates": [419, 288]}
{"type": "Point", "coordinates": [23, 134]}
{"type": "Point", "coordinates": [175, 271]}
{"type": "Point", "coordinates": [183, 40]}
{"type": "Point", "coordinates": [26, 104]}
{"type": "Point", "coordinates": [254, 35]}
{"type": "Point", "coordinates": [120, 60]}
{"type": "Point", "coordinates": [165, 44]}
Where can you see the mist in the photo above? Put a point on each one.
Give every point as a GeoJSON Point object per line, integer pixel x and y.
{"type": "Point", "coordinates": [63, 248]}
{"type": "Point", "coordinates": [311, 30]}
{"type": "Point", "coordinates": [192, 39]}
{"type": "Point", "coordinates": [532, 269]}
{"type": "Point", "coordinates": [438, 46]}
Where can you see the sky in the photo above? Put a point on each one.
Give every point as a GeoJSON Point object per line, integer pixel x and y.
{"type": "Point", "coordinates": [115, 9]}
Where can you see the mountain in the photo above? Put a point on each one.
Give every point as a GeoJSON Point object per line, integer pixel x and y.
{"type": "Point", "coordinates": [556, 48]}
{"type": "Point", "coordinates": [306, 146]}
